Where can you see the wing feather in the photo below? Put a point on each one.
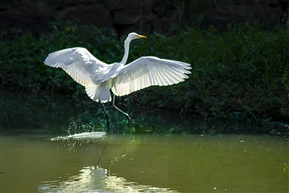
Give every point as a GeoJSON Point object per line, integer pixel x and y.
{"type": "Point", "coordinates": [79, 63]}
{"type": "Point", "coordinates": [158, 77]}
{"type": "Point", "coordinates": [149, 71]}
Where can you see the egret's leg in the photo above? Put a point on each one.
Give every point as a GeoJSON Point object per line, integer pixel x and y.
{"type": "Point", "coordinates": [125, 114]}
{"type": "Point", "coordinates": [107, 120]}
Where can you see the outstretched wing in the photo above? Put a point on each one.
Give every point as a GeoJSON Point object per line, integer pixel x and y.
{"type": "Point", "coordinates": [148, 71]}
{"type": "Point", "coordinates": [79, 63]}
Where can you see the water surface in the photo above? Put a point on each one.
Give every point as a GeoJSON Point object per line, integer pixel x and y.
{"type": "Point", "coordinates": [32, 162]}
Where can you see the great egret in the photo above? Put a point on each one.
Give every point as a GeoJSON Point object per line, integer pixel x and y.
{"type": "Point", "coordinates": [99, 78]}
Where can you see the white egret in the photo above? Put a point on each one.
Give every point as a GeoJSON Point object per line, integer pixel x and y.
{"type": "Point", "coordinates": [99, 78]}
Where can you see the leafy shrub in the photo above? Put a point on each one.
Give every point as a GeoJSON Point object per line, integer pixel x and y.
{"type": "Point", "coordinates": [242, 70]}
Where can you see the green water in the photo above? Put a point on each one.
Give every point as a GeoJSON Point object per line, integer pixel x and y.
{"type": "Point", "coordinates": [32, 162]}
{"type": "Point", "coordinates": [192, 156]}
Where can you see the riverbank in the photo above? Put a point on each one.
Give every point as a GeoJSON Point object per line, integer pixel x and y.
{"type": "Point", "coordinates": [62, 116]}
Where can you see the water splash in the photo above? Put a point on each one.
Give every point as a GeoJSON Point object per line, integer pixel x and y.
{"type": "Point", "coordinates": [84, 135]}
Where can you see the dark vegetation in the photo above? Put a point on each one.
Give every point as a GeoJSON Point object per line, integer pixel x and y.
{"type": "Point", "coordinates": [244, 71]}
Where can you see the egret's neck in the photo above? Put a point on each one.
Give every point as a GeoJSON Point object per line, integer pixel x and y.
{"type": "Point", "coordinates": [126, 50]}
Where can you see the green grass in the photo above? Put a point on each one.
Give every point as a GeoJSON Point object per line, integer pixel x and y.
{"type": "Point", "coordinates": [245, 69]}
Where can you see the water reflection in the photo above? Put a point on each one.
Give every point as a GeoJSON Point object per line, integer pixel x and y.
{"type": "Point", "coordinates": [95, 179]}
{"type": "Point", "coordinates": [143, 163]}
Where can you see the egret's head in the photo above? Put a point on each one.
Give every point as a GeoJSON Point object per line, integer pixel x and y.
{"type": "Point", "coordinates": [133, 36]}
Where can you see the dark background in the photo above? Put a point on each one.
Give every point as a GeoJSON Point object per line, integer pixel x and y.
{"type": "Point", "coordinates": [142, 15]}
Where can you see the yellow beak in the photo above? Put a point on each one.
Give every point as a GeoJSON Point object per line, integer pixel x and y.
{"type": "Point", "coordinates": [141, 36]}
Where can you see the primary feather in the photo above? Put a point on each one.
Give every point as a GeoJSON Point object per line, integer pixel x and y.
{"type": "Point", "coordinates": [148, 71]}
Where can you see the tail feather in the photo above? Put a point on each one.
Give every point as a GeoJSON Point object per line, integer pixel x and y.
{"type": "Point", "coordinates": [98, 93]}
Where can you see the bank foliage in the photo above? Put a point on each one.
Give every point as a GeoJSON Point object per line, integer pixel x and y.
{"type": "Point", "coordinates": [245, 69]}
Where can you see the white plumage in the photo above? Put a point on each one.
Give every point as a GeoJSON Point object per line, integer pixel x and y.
{"type": "Point", "coordinates": [99, 78]}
